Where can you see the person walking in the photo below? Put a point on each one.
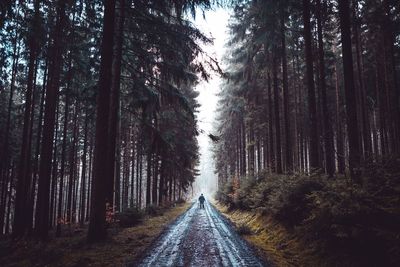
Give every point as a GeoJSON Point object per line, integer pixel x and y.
{"type": "Point", "coordinates": [201, 200]}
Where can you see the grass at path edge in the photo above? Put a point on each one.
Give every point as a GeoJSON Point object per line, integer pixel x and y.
{"type": "Point", "coordinates": [122, 246]}
{"type": "Point", "coordinates": [272, 242]}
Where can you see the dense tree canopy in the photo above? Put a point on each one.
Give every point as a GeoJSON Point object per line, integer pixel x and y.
{"type": "Point", "coordinates": [307, 134]}
{"type": "Point", "coordinates": [310, 85]}
{"type": "Point", "coordinates": [98, 109]}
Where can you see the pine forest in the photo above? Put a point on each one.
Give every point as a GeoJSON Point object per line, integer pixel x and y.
{"type": "Point", "coordinates": [101, 120]}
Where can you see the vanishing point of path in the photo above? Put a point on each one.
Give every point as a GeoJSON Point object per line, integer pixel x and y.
{"type": "Point", "coordinates": [200, 237]}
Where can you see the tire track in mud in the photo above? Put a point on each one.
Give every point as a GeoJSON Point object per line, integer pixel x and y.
{"type": "Point", "coordinates": [200, 237]}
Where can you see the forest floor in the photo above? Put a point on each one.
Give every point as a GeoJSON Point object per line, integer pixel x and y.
{"type": "Point", "coordinates": [271, 240]}
{"type": "Point", "coordinates": [123, 245]}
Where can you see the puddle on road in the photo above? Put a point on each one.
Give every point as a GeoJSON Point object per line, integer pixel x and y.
{"type": "Point", "coordinates": [200, 237]}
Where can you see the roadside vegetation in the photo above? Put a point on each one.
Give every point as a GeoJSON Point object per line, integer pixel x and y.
{"type": "Point", "coordinates": [323, 221]}
{"type": "Point", "coordinates": [308, 127]}
{"type": "Point", "coordinates": [124, 244]}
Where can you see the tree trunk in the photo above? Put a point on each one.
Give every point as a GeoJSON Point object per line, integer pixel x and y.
{"type": "Point", "coordinates": [4, 160]}
{"type": "Point", "coordinates": [22, 220]}
{"type": "Point", "coordinates": [117, 202]}
{"type": "Point", "coordinates": [97, 225]}
{"type": "Point", "coordinates": [277, 117]}
{"type": "Point", "coordinates": [312, 108]}
{"type": "Point", "coordinates": [137, 172]}
{"type": "Point", "coordinates": [62, 168]}
{"type": "Point", "coordinates": [90, 179]}
{"type": "Point", "coordinates": [32, 188]}
{"type": "Point", "coordinates": [132, 159]}
{"type": "Point", "coordinates": [148, 176]}
{"type": "Point", "coordinates": [271, 127]}
{"type": "Point", "coordinates": [394, 101]}
{"type": "Point", "coordinates": [140, 177]}
{"type": "Point", "coordinates": [83, 174]}
{"type": "Point", "coordinates": [40, 120]}
{"type": "Point", "coordinates": [71, 172]}
{"type": "Point", "coordinates": [244, 145]}
{"type": "Point", "coordinates": [42, 210]}
{"type": "Point", "coordinates": [365, 121]}
{"type": "Point", "coordinates": [114, 102]}
{"type": "Point", "coordinates": [54, 173]}
{"type": "Point", "coordinates": [350, 94]}
{"type": "Point", "coordinates": [155, 179]}
{"type": "Point", "coordinates": [39, 134]}
{"type": "Point", "coordinates": [339, 129]}
{"type": "Point", "coordinates": [327, 126]}
{"type": "Point", "coordinates": [286, 100]}
{"type": "Point", "coordinates": [162, 179]}
{"type": "Point", "coordinates": [8, 218]}
{"type": "Point", "coordinates": [251, 148]}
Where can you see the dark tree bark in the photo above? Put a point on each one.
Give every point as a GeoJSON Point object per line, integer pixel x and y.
{"type": "Point", "coordinates": [350, 94]}
{"type": "Point", "coordinates": [126, 169]}
{"type": "Point", "coordinates": [138, 196]}
{"type": "Point", "coordinates": [277, 117]}
{"type": "Point", "coordinates": [22, 220]}
{"type": "Point", "coordinates": [42, 210]}
{"type": "Point", "coordinates": [286, 100]}
{"type": "Point", "coordinates": [72, 166]}
{"type": "Point", "coordinates": [243, 146]}
{"type": "Point", "coordinates": [251, 148]}
{"type": "Point", "coordinates": [270, 127]}
{"type": "Point", "coordinates": [62, 168]}
{"type": "Point", "coordinates": [97, 225]}
{"type": "Point", "coordinates": [132, 159]}
{"type": "Point", "coordinates": [5, 158]}
{"type": "Point", "coordinates": [155, 180]}
{"type": "Point", "coordinates": [10, 195]}
{"type": "Point", "coordinates": [239, 151]}
{"type": "Point", "coordinates": [114, 102]}
{"type": "Point", "coordinates": [161, 189]}
{"type": "Point", "coordinates": [149, 173]}
{"type": "Point", "coordinates": [312, 108]}
{"type": "Point", "coordinates": [296, 126]}
{"type": "Point", "coordinates": [90, 179]}
{"type": "Point", "coordinates": [394, 100]}
{"type": "Point", "coordinates": [382, 107]}
{"type": "Point", "coordinates": [118, 173]}
{"type": "Point", "coordinates": [365, 117]}
{"type": "Point", "coordinates": [327, 126]}
{"type": "Point", "coordinates": [40, 127]}
{"type": "Point", "coordinates": [32, 178]}
{"type": "Point", "coordinates": [339, 129]}
{"type": "Point", "coordinates": [258, 146]}
{"type": "Point", "coordinates": [54, 175]}
{"type": "Point", "coordinates": [140, 177]}
{"type": "Point", "coordinates": [84, 170]}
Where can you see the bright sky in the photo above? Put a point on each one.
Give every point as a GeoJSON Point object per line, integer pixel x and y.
{"type": "Point", "coordinates": [214, 25]}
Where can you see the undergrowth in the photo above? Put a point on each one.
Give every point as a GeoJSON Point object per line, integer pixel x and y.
{"type": "Point", "coordinates": [123, 245]}
{"type": "Point", "coordinates": [360, 221]}
{"type": "Point", "coordinates": [130, 217]}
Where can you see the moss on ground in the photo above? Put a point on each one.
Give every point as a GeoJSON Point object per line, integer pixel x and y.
{"type": "Point", "coordinates": [123, 245]}
{"type": "Point", "coordinates": [272, 241]}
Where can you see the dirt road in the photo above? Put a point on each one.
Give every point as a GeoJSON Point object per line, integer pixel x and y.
{"type": "Point", "coordinates": [200, 237]}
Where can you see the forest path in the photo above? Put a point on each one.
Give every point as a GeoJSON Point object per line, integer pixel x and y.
{"type": "Point", "coordinates": [200, 237]}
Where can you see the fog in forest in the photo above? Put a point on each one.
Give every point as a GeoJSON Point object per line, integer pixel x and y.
{"type": "Point", "coordinates": [214, 23]}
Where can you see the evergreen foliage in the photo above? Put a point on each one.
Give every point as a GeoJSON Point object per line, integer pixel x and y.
{"type": "Point", "coordinates": [98, 109]}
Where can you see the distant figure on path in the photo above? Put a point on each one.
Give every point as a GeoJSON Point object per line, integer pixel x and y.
{"type": "Point", "coordinates": [201, 200]}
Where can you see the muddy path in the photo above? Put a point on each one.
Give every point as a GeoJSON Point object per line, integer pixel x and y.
{"type": "Point", "coordinates": [200, 237]}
